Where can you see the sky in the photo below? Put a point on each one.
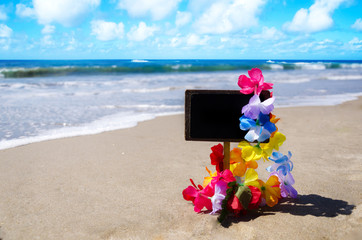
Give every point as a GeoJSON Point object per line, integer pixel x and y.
{"type": "Point", "coordinates": [181, 29]}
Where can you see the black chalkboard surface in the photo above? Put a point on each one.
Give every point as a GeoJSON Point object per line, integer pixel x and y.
{"type": "Point", "coordinates": [213, 115]}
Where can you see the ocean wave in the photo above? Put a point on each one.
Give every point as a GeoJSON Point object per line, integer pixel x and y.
{"type": "Point", "coordinates": [352, 65]}
{"type": "Point", "coordinates": [292, 80]}
{"type": "Point", "coordinates": [143, 107]}
{"type": "Point", "coordinates": [147, 90]}
{"type": "Point", "coordinates": [345, 77]}
{"type": "Point", "coordinates": [182, 66]}
{"type": "Point", "coordinates": [311, 66]}
{"type": "Point", "coordinates": [139, 61]}
{"type": "Point", "coordinates": [276, 66]}
{"type": "Point", "coordinates": [316, 100]}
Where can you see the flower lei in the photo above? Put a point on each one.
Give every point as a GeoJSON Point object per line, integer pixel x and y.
{"type": "Point", "coordinates": [239, 189]}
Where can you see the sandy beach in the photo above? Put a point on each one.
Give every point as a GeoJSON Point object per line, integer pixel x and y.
{"type": "Point", "coordinates": [127, 184]}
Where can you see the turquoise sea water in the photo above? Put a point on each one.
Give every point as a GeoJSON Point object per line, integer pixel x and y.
{"type": "Point", "coordinates": [43, 100]}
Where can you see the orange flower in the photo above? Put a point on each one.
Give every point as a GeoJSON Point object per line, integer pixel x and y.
{"type": "Point", "coordinates": [274, 120]}
{"type": "Point", "coordinates": [208, 179]}
{"type": "Point", "coordinates": [238, 165]}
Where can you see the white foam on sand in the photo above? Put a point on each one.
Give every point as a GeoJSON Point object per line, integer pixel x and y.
{"type": "Point", "coordinates": [104, 124]}
{"type": "Point", "coordinates": [322, 100]}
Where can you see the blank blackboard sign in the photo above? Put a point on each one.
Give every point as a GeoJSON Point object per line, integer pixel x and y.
{"type": "Point", "coordinates": [213, 115]}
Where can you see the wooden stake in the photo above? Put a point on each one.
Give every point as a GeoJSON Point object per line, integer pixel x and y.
{"type": "Point", "coordinates": [226, 155]}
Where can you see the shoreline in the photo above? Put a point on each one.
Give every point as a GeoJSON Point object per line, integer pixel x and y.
{"type": "Point", "coordinates": [54, 134]}
{"type": "Point", "coordinates": [127, 183]}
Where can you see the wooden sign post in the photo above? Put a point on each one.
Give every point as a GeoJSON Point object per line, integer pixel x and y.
{"type": "Point", "coordinates": [213, 115]}
{"type": "Point", "coordinates": [226, 155]}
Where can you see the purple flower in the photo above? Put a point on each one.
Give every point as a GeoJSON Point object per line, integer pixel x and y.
{"type": "Point", "coordinates": [219, 195]}
{"type": "Point", "coordinates": [255, 106]}
{"type": "Point", "coordinates": [286, 182]}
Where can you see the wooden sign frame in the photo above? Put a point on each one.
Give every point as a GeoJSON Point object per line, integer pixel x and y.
{"type": "Point", "coordinates": [213, 115]}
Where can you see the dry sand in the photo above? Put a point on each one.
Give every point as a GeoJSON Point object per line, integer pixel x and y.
{"type": "Point", "coordinates": [127, 184]}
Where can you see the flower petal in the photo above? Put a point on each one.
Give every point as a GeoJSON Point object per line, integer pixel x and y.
{"type": "Point", "coordinates": [245, 84]}
{"type": "Point", "coordinates": [253, 134]}
{"type": "Point", "coordinates": [256, 76]}
{"type": "Point", "coordinates": [267, 106]}
{"type": "Point", "coordinates": [246, 123]}
{"type": "Point", "coordinates": [189, 193]}
{"type": "Point", "coordinates": [264, 135]}
{"type": "Point", "coordinates": [273, 181]}
{"type": "Point", "coordinates": [250, 176]}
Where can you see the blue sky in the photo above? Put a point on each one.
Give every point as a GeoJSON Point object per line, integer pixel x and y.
{"type": "Point", "coordinates": [192, 29]}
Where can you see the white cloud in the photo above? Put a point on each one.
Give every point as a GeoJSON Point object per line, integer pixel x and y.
{"type": "Point", "coordinates": [191, 40]}
{"type": "Point", "coordinates": [65, 12]}
{"type": "Point", "coordinates": [228, 16]}
{"type": "Point", "coordinates": [24, 11]}
{"type": "Point", "coordinates": [182, 18]}
{"type": "Point", "coordinates": [141, 32]}
{"type": "Point", "coordinates": [316, 18]}
{"type": "Point", "coordinates": [5, 43]}
{"type": "Point", "coordinates": [357, 24]}
{"type": "Point", "coordinates": [106, 31]}
{"type": "Point", "coordinates": [269, 34]}
{"type": "Point", "coordinates": [47, 40]}
{"type": "Point", "coordinates": [175, 41]}
{"type": "Point", "coordinates": [196, 40]}
{"type": "Point", "coordinates": [355, 44]}
{"type": "Point", "coordinates": [5, 31]}
{"type": "Point", "coordinates": [3, 15]}
{"type": "Point", "coordinates": [158, 9]}
{"type": "Point", "coordinates": [48, 29]}
{"type": "Point", "coordinates": [72, 44]}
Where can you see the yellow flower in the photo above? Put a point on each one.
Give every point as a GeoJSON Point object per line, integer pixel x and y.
{"type": "Point", "coordinates": [274, 143]}
{"type": "Point", "coordinates": [208, 179]}
{"type": "Point", "coordinates": [238, 165]}
{"type": "Point", "coordinates": [251, 178]}
{"type": "Point", "coordinates": [250, 153]}
{"type": "Point", "coordinates": [270, 190]}
{"type": "Point", "coordinates": [262, 150]}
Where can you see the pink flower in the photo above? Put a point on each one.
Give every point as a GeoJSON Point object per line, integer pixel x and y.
{"type": "Point", "coordinates": [190, 193]}
{"type": "Point", "coordinates": [226, 176]}
{"type": "Point", "coordinates": [202, 199]}
{"type": "Point", "coordinates": [254, 84]}
{"type": "Point", "coordinates": [199, 196]}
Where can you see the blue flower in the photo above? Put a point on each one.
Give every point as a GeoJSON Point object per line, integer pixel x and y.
{"type": "Point", "coordinates": [282, 163]}
{"type": "Point", "coordinates": [259, 130]}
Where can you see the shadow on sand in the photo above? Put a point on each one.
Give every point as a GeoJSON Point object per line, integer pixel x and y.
{"type": "Point", "coordinates": [311, 204]}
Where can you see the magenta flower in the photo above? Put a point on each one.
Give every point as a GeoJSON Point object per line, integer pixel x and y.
{"type": "Point", "coordinates": [199, 196]}
{"type": "Point", "coordinates": [202, 199]}
{"type": "Point", "coordinates": [226, 176]}
{"type": "Point", "coordinates": [255, 107]}
{"type": "Point", "coordinates": [254, 84]}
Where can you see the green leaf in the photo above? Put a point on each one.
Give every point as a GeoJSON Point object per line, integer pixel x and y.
{"type": "Point", "coordinates": [231, 184]}
{"type": "Point", "coordinates": [244, 195]}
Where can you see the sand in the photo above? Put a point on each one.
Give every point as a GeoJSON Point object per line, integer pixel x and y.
{"type": "Point", "coordinates": [127, 184]}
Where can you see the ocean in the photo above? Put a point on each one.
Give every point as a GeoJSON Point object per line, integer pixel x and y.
{"type": "Point", "coordinates": [49, 99]}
